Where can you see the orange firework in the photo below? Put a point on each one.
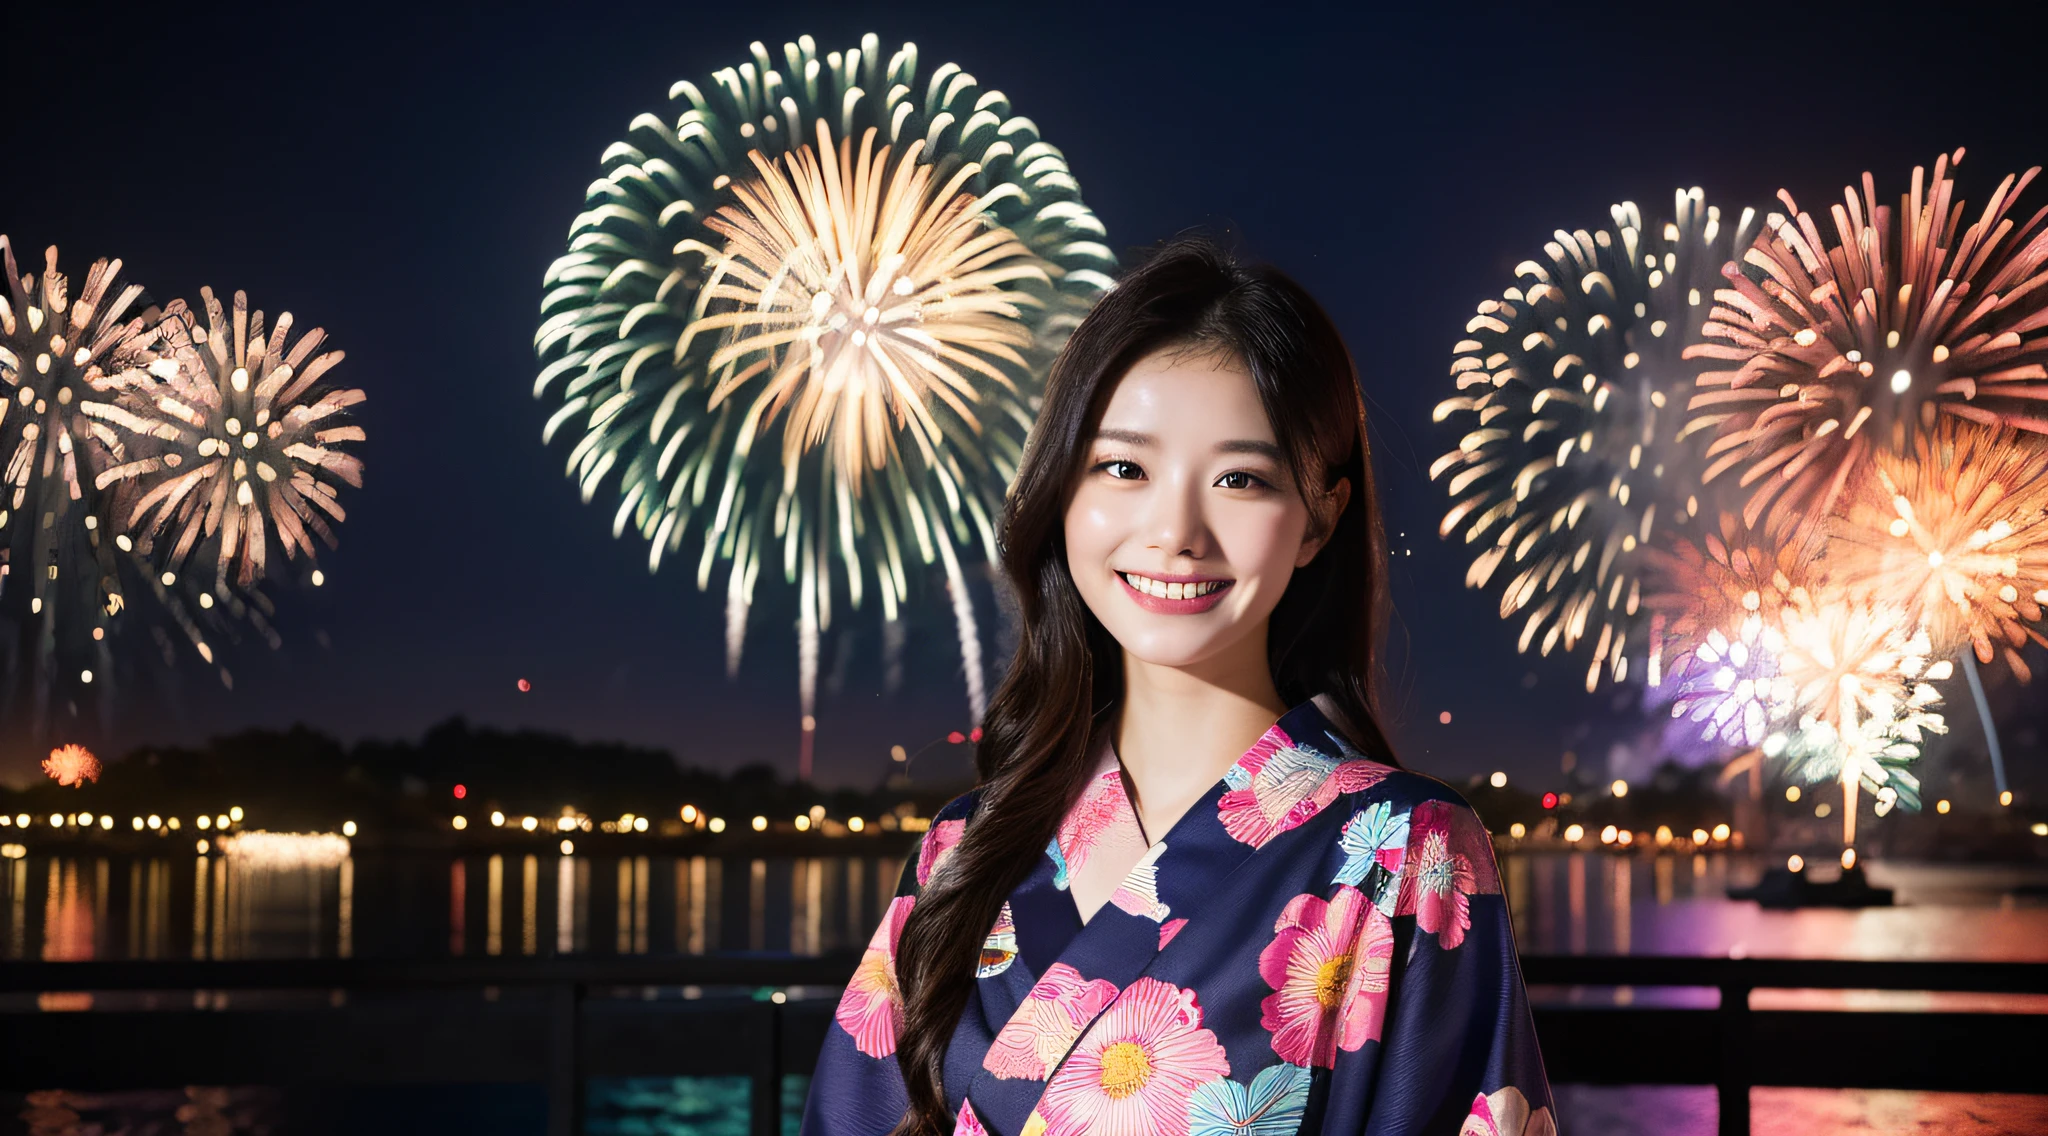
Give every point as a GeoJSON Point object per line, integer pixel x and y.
{"type": "Point", "coordinates": [1835, 350]}
{"type": "Point", "coordinates": [1956, 534]}
{"type": "Point", "coordinates": [72, 765]}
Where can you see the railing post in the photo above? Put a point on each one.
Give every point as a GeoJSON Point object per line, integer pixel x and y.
{"type": "Point", "coordinates": [1731, 1085]}
{"type": "Point", "coordinates": [565, 1060]}
{"type": "Point", "coordinates": [767, 1110]}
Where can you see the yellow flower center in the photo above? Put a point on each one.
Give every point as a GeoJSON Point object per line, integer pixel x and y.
{"type": "Point", "coordinates": [1125, 1069]}
{"type": "Point", "coordinates": [1331, 979]}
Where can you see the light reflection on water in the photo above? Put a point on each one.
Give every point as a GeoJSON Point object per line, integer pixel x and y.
{"type": "Point", "coordinates": [78, 907]}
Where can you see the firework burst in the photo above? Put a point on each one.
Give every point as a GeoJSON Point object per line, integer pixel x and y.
{"type": "Point", "coordinates": [805, 320]}
{"type": "Point", "coordinates": [1571, 392]}
{"type": "Point", "coordinates": [1955, 533]}
{"type": "Point", "coordinates": [1833, 350]}
{"type": "Point", "coordinates": [65, 359]}
{"type": "Point", "coordinates": [243, 442]}
{"type": "Point", "coordinates": [72, 765]}
{"type": "Point", "coordinates": [1863, 693]}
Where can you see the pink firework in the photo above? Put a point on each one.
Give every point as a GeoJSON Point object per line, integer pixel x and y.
{"type": "Point", "coordinates": [1837, 346]}
{"type": "Point", "coordinates": [72, 765]}
{"type": "Point", "coordinates": [247, 441]}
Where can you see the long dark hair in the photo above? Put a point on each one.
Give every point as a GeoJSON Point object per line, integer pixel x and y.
{"type": "Point", "coordinates": [1034, 741]}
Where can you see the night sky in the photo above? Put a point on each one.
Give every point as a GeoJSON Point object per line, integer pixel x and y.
{"type": "Point", "coordinates": [402, 176]}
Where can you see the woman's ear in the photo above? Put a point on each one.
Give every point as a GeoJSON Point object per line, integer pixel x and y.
{"type": "Point", "coordinates": [1323, 521]}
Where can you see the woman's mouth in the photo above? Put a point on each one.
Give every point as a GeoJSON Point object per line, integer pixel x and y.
{"type": "Point", "coordinates": [1173, 597]}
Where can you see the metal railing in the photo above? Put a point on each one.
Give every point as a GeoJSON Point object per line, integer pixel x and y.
{"type": "Point", "coordinates": [558, 1021]}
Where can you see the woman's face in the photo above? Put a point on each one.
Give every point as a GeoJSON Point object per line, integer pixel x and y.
{"type": "Point", "coordinates": [1184, 527]}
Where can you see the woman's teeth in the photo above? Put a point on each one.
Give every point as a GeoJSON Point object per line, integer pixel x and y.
{"type": "Point", "coordinates": [1166, 591]}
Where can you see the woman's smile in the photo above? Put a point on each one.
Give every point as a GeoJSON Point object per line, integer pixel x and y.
{"type": "Point", "coordinates": [1174, 595]}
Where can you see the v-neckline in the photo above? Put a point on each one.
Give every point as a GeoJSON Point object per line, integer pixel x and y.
{"type": "Point", "coordinates": [1154, 848]}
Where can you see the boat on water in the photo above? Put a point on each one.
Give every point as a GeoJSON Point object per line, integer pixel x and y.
{"type": "Point", "coordinates": [1782, 888]}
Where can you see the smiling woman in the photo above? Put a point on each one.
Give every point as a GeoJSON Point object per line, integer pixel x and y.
{"type": "Point", "coordinates": [1192, 878]}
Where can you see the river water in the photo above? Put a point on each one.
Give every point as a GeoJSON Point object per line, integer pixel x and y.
{"type": "Point", "coordinates": [65, 907]}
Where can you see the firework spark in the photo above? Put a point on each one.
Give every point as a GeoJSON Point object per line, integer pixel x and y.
{"type": "Point", "coordinates": [72, 765]}
{"type": "Point", "coordinates": [1955, 533]}
{"type": "Point", "coordinates": [806, 319]}
{"type": "Point", "coordinates": [1834, 350]}
{"type": "Point", "coordinates": [248, 442]}
{"type": "Point", "coordinates": [1572, 387]}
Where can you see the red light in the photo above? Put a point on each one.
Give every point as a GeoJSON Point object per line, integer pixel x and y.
{"type": "Point", "coordinates": [974, 735]}
{"type": "Point", "coordinates": [1550, 800]}
{"type": "Point", "coordinates": [956, 737]}
{"type": "Point", "coordinates": [524, 686]}
{"type": "Point", "coordinates": [461, 791]}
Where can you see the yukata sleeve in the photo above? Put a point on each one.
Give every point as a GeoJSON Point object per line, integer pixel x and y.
{"type": "Point", "coordinates": [857, 1086]}
{"type": "Point", "coordinates": [1457, 1052]}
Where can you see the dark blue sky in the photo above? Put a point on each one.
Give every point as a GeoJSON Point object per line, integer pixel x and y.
{"type": "Point", "coordinates": [403, 175]}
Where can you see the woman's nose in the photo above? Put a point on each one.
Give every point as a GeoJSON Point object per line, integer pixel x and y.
{"type": "Point", "coordinates": [1178, 525]}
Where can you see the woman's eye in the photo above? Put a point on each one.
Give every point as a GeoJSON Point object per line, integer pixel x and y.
{"type": "Point", "coordinates": [1238, 480]}
{"type": "Point", "coordinates": [1121, 470]}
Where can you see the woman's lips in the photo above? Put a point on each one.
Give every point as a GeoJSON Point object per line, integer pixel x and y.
{"type": "Point", "coordinates": [1183, 606]}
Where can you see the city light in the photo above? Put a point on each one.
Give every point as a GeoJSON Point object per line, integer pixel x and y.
{"type": "Point", "coordinates": [1796, 863]}
{"type": "Point", "coordinates": [1575, 833]}
{"type": "Point", "coordinates": [221, 821]}
{"type": "Point", "coordinates": [855, 824]}
{"type": "Point", "coordinates": [22, 820]}
{"type": "Point", "coordinates": [460, 823]}
{"type": "Point", "coordinates": [155, 821]}
{"type": "Point", "coordinates": [1607, 835]}
{"type": "Point", "coordinates": [803, 823]}
{"type": "Point", "coordinates": [689, 814]}
{"type": "Point", "coordinates": [897, 753]}
{"type": "Point", "coordinates": [817, 813]}
{"type": "Point", "coordinates": [1518, 830]}
{"type": "Point", "coordinates": [1699, 836]}
{"type": "Point", "coordinates": [565, 824]}
{"type": "Point", "coordinates": [2005, 797]}
{"type": "Point", "coordinates": [530, 823]}
{"type": "Point", "coordinates": [1550, 800]}
{"type": "Point", "coordinates": [497, 819]}
{"type": "Point", "coordinates": [717, 824]}
{"type": "Point", "coordinates": [1720, 832]}
{"type": "Point", "coordinates": [172, 824]}
{"type": "Point", "coordinates": [1941, 806]}
{"type": "Point", "coordinates": [203, 847]}
{"type": "Point", "coordinates": [1620, 788]}
{"type": "Point", "coordinates": [135, 823]}
{"type": "Point", "coordinates": [348, 828]}
{"type": "Point", "coordinates": [2040, 828]}
{"type": "Point", "coordinates": [760, 824]}
{"type": "Point", "coordinates": [1499, 780]}
{"type": "Point", "coordinates": [204, 822]}
{"type": "Point", "coordinates": [1663, 835]}
{"type": "Point", "coordinates": [1792, 792]}
{"type": "Point", "coordinates": [568, 848]}
{"type": "Point", "coordinates": [85, 820]}
{"type": "Point", "coordinates": [639, 824]}
{"type": "Point", "coordinates": [235, 814]}
{"type": "Point", "coordinates": [286, 849]}
{"type": "Point", "coordinates": [461, 791]}
{"type": "Point", "coordinates": [56, 820]}
{"type": "Point", "coordinates": [1848, 858]}
{"type": "Point", "coordinates": [1625, 838]}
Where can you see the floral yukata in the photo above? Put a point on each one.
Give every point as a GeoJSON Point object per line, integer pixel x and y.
{"type": "Point", "coordinates": [1319, 945]}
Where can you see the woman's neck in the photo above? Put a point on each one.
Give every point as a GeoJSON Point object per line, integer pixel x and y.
{"type": "Point", "coordinates": [1179, 728]}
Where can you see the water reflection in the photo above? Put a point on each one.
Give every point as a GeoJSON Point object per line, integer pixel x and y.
{"type": "Point", "coordinates": [65, 908]}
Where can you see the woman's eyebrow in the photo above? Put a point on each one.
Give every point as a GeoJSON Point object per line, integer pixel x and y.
{"type": "Point", "coordinates": [1252, 446]}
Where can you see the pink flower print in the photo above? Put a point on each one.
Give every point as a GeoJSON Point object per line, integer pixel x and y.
{"type": "Point", "coordinates": [1168, 930]}
{"type": "Point", "coordinates": [1046, 1023]}
{"type": "Point", "coordinates": [1278, 785]}
{"type": "Point", "coordinates": [968, 1124]}
{"type": "Point", "coordinates": [1506, 1113]}
{"type": "Point", "coordinates": [1137, 1069]}
{"type": "Point", "coordinates": [1328, 965]}
{"type": "Point", "coordinates": [1101, 805]}
{"type": "Point", "coordinates": [1436, 882]}
{"type": "Point", "coordinates": [872, 1008]}
{"type": "Point", "coordinates": [933, 848]}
